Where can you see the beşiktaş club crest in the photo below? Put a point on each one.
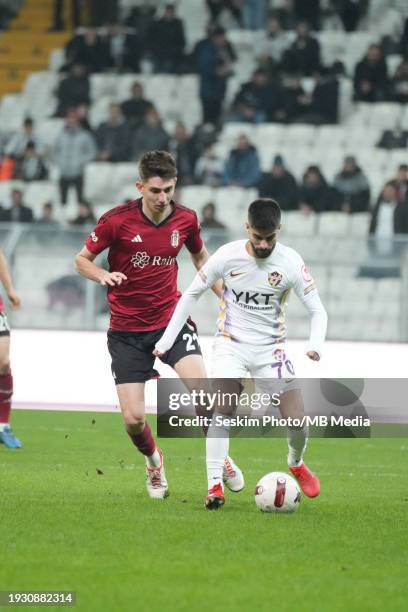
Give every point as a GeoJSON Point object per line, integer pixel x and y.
{"type": "Point", "coordinates": [274, 278]}
{"type": "Point", "coordinates": [175, 238]}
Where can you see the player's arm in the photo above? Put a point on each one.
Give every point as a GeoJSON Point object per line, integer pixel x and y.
{"type": "Point", "coordinates": [7, 283]}
{"type": "Point", "coordinates": [318, 326]}
{"type": "Point", "coordinates": [305, 289]}
{"type": "Point", "coordinates": [199, 259]}
{"type": "Point", "coordinates": [84, 264]}
{"type": "Point", "coordinates": [206, 277]}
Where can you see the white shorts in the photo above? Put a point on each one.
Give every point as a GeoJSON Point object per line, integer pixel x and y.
{"type": "Point", "coordinates": [236, 360]}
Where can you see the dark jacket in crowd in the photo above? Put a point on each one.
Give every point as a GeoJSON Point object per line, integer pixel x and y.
{"type": "Point", "coordinates": [242, 168]}
{"type": "Point", "coordinates": [302, 57]}
{"type": "Point", "coordinates": [268, 99]}
{"type": "Point", "coordinates": [283, 189]}
{"type": "Point", "coordinates": [20, 214]}
{"type": "Point", "coordinates": [167, 40]}
{"type": "Point", "coordinates": [317, 197]}
{"type": "Point", "coordinates": [95, 57]}
{"type": "Point", "coordinates": [116, 140]}
{"type": "Point", "coordinates": [72, 92]}
{"type": "Point", "coordinates": [353, 190]}
{"type": "Point", "coordinates": [394, 139]}
{"type": "Point", "coordinates": [376, 75]}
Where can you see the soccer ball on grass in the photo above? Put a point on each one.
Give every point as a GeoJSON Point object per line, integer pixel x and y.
{"type": "Point", "coordinates": [277, 492]}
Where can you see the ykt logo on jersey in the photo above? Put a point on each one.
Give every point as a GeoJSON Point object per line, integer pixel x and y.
{"type": "Point", "coordinates": [175, 238]}
{"type": "Point", "coordinates": [94, 237]}
{"type": "Point", "coordinates": [142, 259]}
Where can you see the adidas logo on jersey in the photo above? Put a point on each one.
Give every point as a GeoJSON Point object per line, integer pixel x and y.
{"type": "Point", "coordinates": [137, 238]}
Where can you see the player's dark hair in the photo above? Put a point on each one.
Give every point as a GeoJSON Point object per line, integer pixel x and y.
{"type": "Point", "coordinates": [157, 163]}
{"type": "Point", "coordinates": [264, 213]}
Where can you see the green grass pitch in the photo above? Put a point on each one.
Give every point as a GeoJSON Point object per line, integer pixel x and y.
{"type": "Point", "coordinates": [75, 516]}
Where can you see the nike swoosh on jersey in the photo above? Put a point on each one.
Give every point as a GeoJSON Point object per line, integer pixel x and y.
{"type": "Point", "coordinates": [236, 273]}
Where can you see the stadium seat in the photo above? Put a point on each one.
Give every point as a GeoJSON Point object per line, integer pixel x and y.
{"type": "Point", "coordinates": [39, 192]}
{"type": "Point", "coordinates": [98, 182]}
{"type": "Point", "coordinates": [359, 224]}
{"type": "Point", "coordinates": [333, 224]}
{"type": "Point", "coordinates": [300, 224]}
{"type": "Point", "coordinates": [197, 196]}
{"type": "Point", "coordinates": [103, 85]}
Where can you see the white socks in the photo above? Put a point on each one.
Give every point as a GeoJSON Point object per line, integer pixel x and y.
{"type": "Point", "coordinates": [153, 460]}
{"type": "Point", "coordinates": [217, 445]}
{"type": "Point", "coordinates": [297, 441]}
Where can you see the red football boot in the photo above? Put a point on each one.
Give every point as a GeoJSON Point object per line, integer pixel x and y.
{"type": "Point", "coordinates": [308, 482]}
{"type": "Point", "coordinates": [215, 498]}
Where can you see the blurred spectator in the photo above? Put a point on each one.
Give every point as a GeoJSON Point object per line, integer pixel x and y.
{"type": "Point", "coordinates": [350, 12]}
{"type": "Point", "coordinates": [47, 216]}
{"type": "Point", "coordinates": [136, 107]}
{"type": "Point", "coordinates": [394, 139]}
{"type": "Point", "coordinates": [167, 41]}
{"type": "Point", "coordinates": [274, 41]}
{"type": "Point", "coordinates": [352, 187]}
{"type": "Point", "coordinates": [399, 83]}
{"type": "Point", "coordinates": [18, 142]}
{"type": "Point", "coordinates": [314, 193]}
{"type": "Point", "coordinates": [309, 11]}
{"type": "Point", "coordinates": [242, 168]}
{"type": "Point", "coordinates": [209, 219]}
{"type": "Point", "coordinates": [31, 166]}
{"type": "Point", "coordinates": [181, 146]}
{"type": "Point", "coordinates": [205, 135]}
{"type": "Point", "coordinates": [73, 149]}
{"type": "Point", "coordinates": [404, 40]}
{"type": "Point", "coordinates": [58, 10]}
{"type": "Point", "coordinates": [85, 214]}
{"type": "Point", "coordinates": [320, 106]}
{"type": "Point", "coordinates": [401, 182]}
{"type": "Point", "coordinates": [103, 11]}
{"type": "Point", "coordinates": [18, 212]}
{"type": "Point", "coordinates": [279, 184]}
{"type": "Point", "coordinates": [254, 14]}
{"type": "Point", "coordinates": [73, 91]}
{"type": "Point", "coordinates": [150, 136]}
{"type": "Point", "coordinates": [287, 15]}
{"type": "Point", "coordinates": [124, 47]}
{"type": "Point", "coordinates": [217, 7]}
{"type": "Point", "coordinates": [113, 137]}
{"type": "Point", "coordinates": [389, 217]}
{"type": "Point", "coordinates": [303, 56]}
{"type": "Point", "coordinates": [259, 100]}
{"type": "Point", "coordinates": [89, 50]}
{"type": "Point", "coordinates": [214, 58]}
{"type": "Point", "coordinates": [209, 168]}
{"type": "Point", "coordinates": [370, 77]}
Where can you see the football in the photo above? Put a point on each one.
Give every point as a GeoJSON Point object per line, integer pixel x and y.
{"type": "Point", "coordinates": [277, 492]}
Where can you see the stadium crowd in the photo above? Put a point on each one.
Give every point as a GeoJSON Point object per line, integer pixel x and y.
{"type": "Point", "coordinates": [290, 84]}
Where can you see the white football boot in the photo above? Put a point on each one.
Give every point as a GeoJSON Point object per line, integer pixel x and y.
{"type": "Point", "coordinates": [232, 476]}
{"type": "Point", "coordinates": [156, 482]}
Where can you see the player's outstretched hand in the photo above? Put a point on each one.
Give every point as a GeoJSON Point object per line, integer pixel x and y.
{"type": "Point", "coordinates": [112, 278]}
{"type": "Point", "coordinates": [157, 353]}
{"type": "Point", "coordinates": [313, 355]}
{"type": "Point", "coordinates": [15, 301]}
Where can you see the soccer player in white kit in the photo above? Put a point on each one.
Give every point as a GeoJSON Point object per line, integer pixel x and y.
{"type": "Point", "coordinates": [258, 274]}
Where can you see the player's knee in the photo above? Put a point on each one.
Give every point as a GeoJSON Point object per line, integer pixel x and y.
{"type": "Point", "coordinates": [4, 366]}
{"type": "Point", "coordinates": [134, 424]}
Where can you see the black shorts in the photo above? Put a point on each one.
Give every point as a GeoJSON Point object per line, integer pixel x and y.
{"type": "Point", "coordinates": [131, 352]}
{"type": "Point", "coordinates": [4, 325]}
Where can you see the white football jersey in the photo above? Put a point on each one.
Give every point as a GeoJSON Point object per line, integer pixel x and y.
{"type": "Point", "coordinates": [256, 291]}
{"type": "Point", "coordinates": [255, 295]}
